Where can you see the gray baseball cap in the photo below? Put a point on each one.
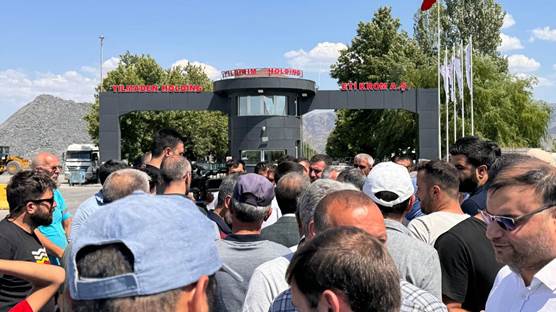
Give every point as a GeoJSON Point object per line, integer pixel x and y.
{"type": "Point", "coordinates": [253, 189]}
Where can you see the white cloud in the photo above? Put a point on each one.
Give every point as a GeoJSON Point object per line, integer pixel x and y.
{"type": "Point", "coordinates": [18, 87]}
{"type": "Point", "coordinates": [540, 81]}
{"type": "Point", "coordinates": [519, 63]}
{"type": "Point", "coordinates": [545, 33]}
{"type": "Point", "coordinates": [318, 59]}
{"type": "Point", "coordinates": [509, 43]}
{"type": "Point", "coordinates": [212, 72]}
{"type": "Point", "coordinates": [508, 21]}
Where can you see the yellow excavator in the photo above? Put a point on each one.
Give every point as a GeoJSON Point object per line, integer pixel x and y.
{"type": "Point", "coordinates": [12, 163]}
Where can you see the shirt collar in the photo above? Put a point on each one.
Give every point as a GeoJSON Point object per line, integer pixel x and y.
{"type": "Point", "coordinates": [396, 226]}
{"type": "Point", "coordinates": [243, 238]}
{"type": "Point", "coordinates": [547, 275]}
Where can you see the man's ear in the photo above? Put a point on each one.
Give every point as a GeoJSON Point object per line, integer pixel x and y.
{"type": "Point", "coordinates": [227, 201]}
{"type": "Point", "coordinates": [199, 300]}
{"type": "Point", "coordinates": [268, 213]}
{"type": "Point", "coordinates": [30, 208]}
{"type": "Point", "coordinates": [329, 301]}
{"type": "Point", "coordinates": [311, 229]}
{"type": "Point", "coordinates": [194, 297]}
{"type": "Point", "coordinates": [436, 191]}
{"type": "Point", "coordinates": [412, 200]}
{"type": "Point", "coordinates": [482, 173]}
{"type": "Point", "coordinates": [167, 152]}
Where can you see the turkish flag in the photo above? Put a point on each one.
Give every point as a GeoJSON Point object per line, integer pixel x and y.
{"type": "Point", "coordinates": [427, 4]}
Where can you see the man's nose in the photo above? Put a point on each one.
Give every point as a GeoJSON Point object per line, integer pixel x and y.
{"type": "Point", "coordinates": [494, 231]}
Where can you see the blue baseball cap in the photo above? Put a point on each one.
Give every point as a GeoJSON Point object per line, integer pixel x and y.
{"type": "Point", "coordinates": [253, 189]}
{"type": "Point", "coordinates": [172, 244]}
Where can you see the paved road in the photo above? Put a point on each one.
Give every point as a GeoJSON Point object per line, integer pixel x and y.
{"type": "Point", "coordinates": [74, 195]}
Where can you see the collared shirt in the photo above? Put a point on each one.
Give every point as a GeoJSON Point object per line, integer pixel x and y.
{"type": "Point", "coordinates": [414, 299]}
{"type": "Point", "coordinates": [509, 292]}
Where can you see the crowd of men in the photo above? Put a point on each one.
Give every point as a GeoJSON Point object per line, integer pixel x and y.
{"type": "Point", "coordinates": [471, 233]}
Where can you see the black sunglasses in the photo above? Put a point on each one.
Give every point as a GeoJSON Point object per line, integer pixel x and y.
{"type": "Point", "coordinates": [42, 200]}
{"type": "Point", "coordinates": [508, 223]}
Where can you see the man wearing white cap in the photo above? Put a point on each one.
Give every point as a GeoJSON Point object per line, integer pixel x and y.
{"type": "Point", "coordinates": [389, 186]}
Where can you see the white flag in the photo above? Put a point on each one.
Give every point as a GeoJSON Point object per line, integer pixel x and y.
{"type": "Point", "coordinates": [452, 80]}
{"type": "Point", "coordinates": [459, 76]}
{"type": "Point", "coordinates": [445, 72]}
{"type": "Point", "coordinates": [468, 51]}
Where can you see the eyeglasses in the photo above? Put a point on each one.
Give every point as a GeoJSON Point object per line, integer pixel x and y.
{"type": "Point", "coordinates": [360, 166]}
{"type": "Point", "coordinates": [508, 223]}
{"type": "Point", "coordinates": [50, 201]}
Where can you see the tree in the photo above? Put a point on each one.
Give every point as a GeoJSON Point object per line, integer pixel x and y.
{"type": "Point", "coordinates": [379, 52]}
{"type": "Point", "coordinates": [480, 19]}
{"type": "Point", "coordinates": [205, 133]}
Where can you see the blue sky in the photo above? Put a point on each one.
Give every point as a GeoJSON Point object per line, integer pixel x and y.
{"type": "Point", "coordinates": [53, 47]}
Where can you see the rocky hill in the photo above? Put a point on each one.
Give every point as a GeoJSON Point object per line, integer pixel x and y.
{"type": "Point", "coordinates": [47, 123]}
{"type": "Point", "coordinates": [317, 126]}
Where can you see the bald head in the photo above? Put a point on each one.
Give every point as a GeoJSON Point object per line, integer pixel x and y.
{"type": "Point", "coordinates": [122, 183]}
{"type": "Point", "coordinates": [350, 208]}
{"type": "Point", "coordinates": [48, 163]}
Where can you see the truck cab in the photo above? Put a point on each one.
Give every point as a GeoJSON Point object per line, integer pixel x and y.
{"type": "Point", "coordinates": [81, 162]}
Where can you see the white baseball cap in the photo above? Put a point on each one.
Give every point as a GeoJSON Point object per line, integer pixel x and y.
{"type": "Point", "coordinates": [391, 177]}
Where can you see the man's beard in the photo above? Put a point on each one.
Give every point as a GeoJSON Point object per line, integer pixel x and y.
{"type": "Point", "coordinates": [468, 185]}
{"type": "Point", "coordinates": [42, 219]}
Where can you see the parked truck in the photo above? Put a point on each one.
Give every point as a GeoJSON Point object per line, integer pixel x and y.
{"type": "Point", "coordinates": [81, 162]}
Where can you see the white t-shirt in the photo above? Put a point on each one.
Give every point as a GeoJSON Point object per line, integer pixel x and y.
{"type": "Point", "coordinates": [276, 214]}
{"type": "Point", "coordinates": [509, 292]}
{"type": "Point", "coordinates": [267, 282]}
{"type": "Point", "coordinates": [428, 228]}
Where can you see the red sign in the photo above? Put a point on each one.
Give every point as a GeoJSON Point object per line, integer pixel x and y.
{"type": "Point", "coordinates": [156, 88]}
{"type": "Point", "coordinates": [373, 86]}
{"type": "Point", "coordinates": [262, 72]}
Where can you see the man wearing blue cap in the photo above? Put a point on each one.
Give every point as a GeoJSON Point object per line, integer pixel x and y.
{"type": "Point", "coordinates": [143, 253]}
{"type": "Point", "coordinates": [244, 250]}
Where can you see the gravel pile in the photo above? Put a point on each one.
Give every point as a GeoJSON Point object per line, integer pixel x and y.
{"type": "Point", "coordinates": [48, 124]}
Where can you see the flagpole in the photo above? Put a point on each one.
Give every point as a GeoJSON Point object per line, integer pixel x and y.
{"type": "Point", "coordinates": [438, 77]}
{"type": "Point", "coordinates": [472, 87]}
{"type": "Point", "coordinates": [447, 109]}
{"type": "Point", "coordinates": [463, 93]}
{"type": "Point", "coordinates": [455, 98]}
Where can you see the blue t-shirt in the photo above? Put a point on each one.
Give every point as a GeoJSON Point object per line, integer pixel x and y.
{"type": "Point", "coordinates": [55, 231]}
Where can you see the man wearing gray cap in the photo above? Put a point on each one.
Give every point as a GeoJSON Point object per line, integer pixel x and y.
{"type": "Point", "coordinates": [143, 253]}
{"type": "Point", "coordinates": [244, 250]}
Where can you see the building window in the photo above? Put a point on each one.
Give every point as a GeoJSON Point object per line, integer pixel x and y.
{"type": "Point", "coordinates": [252, 157]}
{"type": "Point", "coordinates": [262, 105]}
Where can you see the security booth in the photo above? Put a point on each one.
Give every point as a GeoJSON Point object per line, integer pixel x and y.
{"type": "Point", "coordinates": [264, 106]}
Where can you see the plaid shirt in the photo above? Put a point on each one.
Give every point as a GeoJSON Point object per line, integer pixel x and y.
{"type": "Point", "coordinates": [413, 300]}
{"type": "Point", "coordinates": [283, 303]}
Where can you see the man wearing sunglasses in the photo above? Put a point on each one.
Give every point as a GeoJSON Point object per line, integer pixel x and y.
{"type": "Point", "coordinates": [521, 218]}
{"type": "Point", "coordinates": [31, 202]}
{"type": "Point", "coordinates": [54, 236]}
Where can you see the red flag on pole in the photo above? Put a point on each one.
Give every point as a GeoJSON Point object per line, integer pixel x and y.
{"type": "Point", "coordinates": [427, 4]}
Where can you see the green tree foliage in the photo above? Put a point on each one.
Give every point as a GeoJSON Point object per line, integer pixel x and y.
{"type": "Point", "coordinates": [504, 108]}
{"type": "Point", "coordinates": [206, 133]}
{"type": "Point", "coordinates": [480, 19]}
{"type": "Point", "coordinates": [379, 52]}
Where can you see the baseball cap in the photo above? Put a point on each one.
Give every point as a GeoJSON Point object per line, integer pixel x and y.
{"type": "Point", "coordinates": [170, 239]}
{"type": "Point", "coordinates": [391, 177]}
{"type": "Point", "coordinates": [253, 189]}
